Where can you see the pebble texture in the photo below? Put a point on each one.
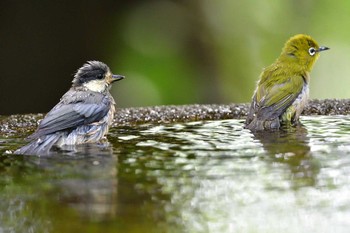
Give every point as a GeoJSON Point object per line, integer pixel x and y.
{"type": "Point", "coordinates": [182, 113]}
{"type": "Point", "coordinates": [168, 114]}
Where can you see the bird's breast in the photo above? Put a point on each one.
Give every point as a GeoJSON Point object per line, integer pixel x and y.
{"type": "Point", "coordinates": [301, 101]}
{"type": "Point", "coordinates": [100, 128]}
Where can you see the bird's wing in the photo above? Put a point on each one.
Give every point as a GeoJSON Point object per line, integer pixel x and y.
{"type": "Point", "coordinates": [273, 100]}
{"type": "Point", "coordinates": [74, 109]}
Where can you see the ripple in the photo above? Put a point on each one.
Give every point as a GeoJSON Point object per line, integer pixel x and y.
{"type": "Point", "coordinates": [214, 176]}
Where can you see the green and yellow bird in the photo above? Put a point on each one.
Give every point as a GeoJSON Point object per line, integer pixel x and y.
{"type": "Point", "coordinates": [283, 88]}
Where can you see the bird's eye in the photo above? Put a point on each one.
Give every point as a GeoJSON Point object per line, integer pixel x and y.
{"type": "Point", "coordinates": [100, 76]}
{"type": "Point", "coordinates": [312, 51]}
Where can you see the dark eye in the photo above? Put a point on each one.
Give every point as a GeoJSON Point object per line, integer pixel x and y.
{"type": "Point", "coordinates": [312, 51]}
{"type": "Point", "coordinates": [100, 76]}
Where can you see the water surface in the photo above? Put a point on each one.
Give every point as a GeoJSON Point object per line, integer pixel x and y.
{"type": "Point", "coordinates": [211, 176]}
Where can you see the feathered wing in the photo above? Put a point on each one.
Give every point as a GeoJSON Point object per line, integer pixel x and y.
{"type": "Point", "coordinates": [271, 101]}
{"type": "Point", "coordinates": [75, 109]}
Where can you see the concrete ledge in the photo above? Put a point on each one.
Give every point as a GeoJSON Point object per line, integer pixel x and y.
{"type": "Point", "coordinates": [181, 113]}
{"type": "Point", "coordinates": [184, 113]}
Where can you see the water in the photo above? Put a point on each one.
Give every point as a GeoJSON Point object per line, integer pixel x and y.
{"type": "Point", "coordinates": [209, 176]}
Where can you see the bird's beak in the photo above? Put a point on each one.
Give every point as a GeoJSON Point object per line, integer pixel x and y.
{"type": "Point", "coordinates": [116, 77]}
{"type": "Point", "coordinates": [322, 48]}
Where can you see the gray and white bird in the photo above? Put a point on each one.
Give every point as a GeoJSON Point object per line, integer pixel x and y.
{"type": "Point", "coordinates": [83, 114]}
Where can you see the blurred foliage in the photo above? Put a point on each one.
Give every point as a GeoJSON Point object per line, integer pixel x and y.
{"type": "Point", "coordinates": [172, 52]}
{"type": "Point", "coordinates": [178, 52]}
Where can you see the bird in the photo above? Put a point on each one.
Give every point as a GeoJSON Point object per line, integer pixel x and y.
{"type": "Point", "coordinates": [283, 88]}
{"type": "Point", "coordinates": [83, 114]}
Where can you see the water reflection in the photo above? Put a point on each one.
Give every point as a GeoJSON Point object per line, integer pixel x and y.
{"type": "Point", "coordinates": [211, 176]}
{"type": "Point", "coordinates": [88, 180]}
{"type": "Point", "coordinates": [85, 182]}
{"type": "Point", "coordinates": [291, 146]}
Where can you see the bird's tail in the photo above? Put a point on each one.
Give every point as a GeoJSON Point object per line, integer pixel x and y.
{"type": "Point", "coordinates": [40, 146]}
{"type": "Point", "coordinates": [259, 125]}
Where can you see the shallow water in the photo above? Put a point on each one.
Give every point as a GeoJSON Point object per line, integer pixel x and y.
{"type": "Point", "coordinates": [211, 176]}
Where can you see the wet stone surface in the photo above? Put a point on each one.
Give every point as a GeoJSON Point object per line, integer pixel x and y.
{"type": "Point", "coordinates": [184, 113]}
{"type": "Point", "coordinates": [171, 113]}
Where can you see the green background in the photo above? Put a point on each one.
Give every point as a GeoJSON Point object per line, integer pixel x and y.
{"type": "Point", "coordinates": [172, 52]}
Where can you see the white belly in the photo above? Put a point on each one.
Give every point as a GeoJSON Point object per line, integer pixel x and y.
{"type": "Point", "coordinates": [301, 101]}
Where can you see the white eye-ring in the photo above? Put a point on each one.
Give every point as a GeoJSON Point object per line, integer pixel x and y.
{"type": "Point", "coordinates": [312, 51]}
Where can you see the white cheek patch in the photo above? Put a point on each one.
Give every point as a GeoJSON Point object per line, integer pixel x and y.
{"type": "Point", "coordinates": [96, 85]}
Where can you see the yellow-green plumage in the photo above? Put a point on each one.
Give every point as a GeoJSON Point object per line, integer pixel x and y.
{"type": "Point", "coordinates": [283, 88]}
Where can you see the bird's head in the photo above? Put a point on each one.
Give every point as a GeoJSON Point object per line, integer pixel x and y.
{"type": "Point", "coordinates": [95, 76]}
{"type": "Point", "coordinates": [301, 51]}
